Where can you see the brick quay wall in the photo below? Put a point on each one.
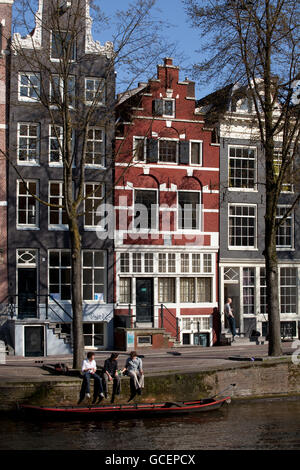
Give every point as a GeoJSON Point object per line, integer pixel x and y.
{"type": "Point", "coordinates": [270, 378]}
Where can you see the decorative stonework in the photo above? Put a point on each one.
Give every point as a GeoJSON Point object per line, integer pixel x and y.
{"type": "Point", "coordinates": [91, 46]}
{"type": "Point", "coordinates": [31, 41]}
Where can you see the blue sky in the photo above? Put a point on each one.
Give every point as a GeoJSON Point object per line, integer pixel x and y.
{"type": "Point", "coordinates": [180, 32]}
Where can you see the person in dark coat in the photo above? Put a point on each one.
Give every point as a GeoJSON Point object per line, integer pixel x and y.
{"type": "Point", "coordinates": [110, 374]}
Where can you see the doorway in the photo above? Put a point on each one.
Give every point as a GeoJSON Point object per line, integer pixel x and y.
{"type": "Point", "coordinates": [34, 341]}
{"type": "Point", "coordinates": [233, 291]}
{"type": "Point", "coordinates": [144, 300]}
{"type": "Point", "coordinates": [27, 292]}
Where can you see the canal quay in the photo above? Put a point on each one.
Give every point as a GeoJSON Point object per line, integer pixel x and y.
{"type": "Point", "coordinates": [264, 413]}
{"type": "Point", "coordinates": [182, 374]}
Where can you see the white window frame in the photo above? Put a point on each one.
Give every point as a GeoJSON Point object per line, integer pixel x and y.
{"type": "Point", "coordinates": [27, 196]}
{"type": "Point", "coordinates": [236, 188]}
{"type": "Point", "coordinates": [166, 139]}
{"type": "Point", "coordinates": [94, 198]}
{"type": "Point", "coordinates": [104, 301]}
{"type": "Point", "coordinates": [61, 90]}
{"type": "Point", "coordinates": [278, 162]}
{"type": "Point", "coordinates": [35, 162]}
{"type": "Point", "coordinates": [243, 247]}
{"type": "Point", "coordinates": [101, 91]}
{"type": "Point", "coordinates": [289, 286]}
{"type": "Point", "coordinates": [60, 267]}
{"type": "Point", "coordinates": [137, 138]}
{"type": "Point", "coordinates": [291, 217]}
{"type": "Point", "coordinates": [170, 116]}
{"type": "Point", "coordinates": [195, 288]}
{"type": "Point", "coordinates": [28, 75]}
{"type": "Point", "coordinates": [60, 140]}
{"type": "Point", "coordinates": [128, 281]}
{"type": "Point", "coordinates": [60, 225]}
{"type": "Point", "coordinates": [93, 334]}
{"type": "Point", "coordinates": [57, 59]}
{"type": "Point", "coordinates": [102, 141]}
{"type": "Point", "coordinates": [167, 279]}
{"type": "Point", "coordinates": [193, 141]}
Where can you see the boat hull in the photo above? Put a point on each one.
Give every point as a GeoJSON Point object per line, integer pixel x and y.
{"type": "Point", "coordinates": [123, 411]}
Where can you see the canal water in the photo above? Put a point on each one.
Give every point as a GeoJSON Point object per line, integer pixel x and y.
{"type": "Point", "coordinates": [261, 424]}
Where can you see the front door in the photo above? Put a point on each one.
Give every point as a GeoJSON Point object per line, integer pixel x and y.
{"type": "Point", "coordinates": [27, 292]}
{"type": "Point", "coordinates": [34, 341]}
{"type": "Point", "coordinates": [144, 300]}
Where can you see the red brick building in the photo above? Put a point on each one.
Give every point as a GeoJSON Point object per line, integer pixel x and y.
{"type": "Point", "coordinates": [167, 216]}
{"type": "Point", "coordinates": [5, 29]}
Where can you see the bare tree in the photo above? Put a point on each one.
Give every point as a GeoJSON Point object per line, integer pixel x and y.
{"type": "Point", "coordinates": [136, 46]}
{"type": "Point", "coordinates": [256, 42]}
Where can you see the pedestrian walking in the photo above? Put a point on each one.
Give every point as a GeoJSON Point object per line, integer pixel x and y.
{"type": "Point", "coordinates": [230, 317]}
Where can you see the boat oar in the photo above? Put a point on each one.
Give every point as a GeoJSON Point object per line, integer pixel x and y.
{"type": "Point", "coordinates": [222, 391]}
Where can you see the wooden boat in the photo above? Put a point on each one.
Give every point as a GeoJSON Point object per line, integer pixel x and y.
{"type": "Point", "coordinates": [125, 411]}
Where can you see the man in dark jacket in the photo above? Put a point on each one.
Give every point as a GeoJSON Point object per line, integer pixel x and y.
{"type": "Point", "coordinates": [110, 374]}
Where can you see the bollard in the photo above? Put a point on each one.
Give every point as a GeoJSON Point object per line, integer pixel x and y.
{"type": "Point", "coordinates": [2, 352]}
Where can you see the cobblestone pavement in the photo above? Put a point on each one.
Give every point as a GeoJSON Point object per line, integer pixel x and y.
{"type": "Point", "coordinates": [155, 361]}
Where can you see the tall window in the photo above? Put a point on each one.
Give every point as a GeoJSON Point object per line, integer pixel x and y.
{"type": "Point", "coordinates": [187, 290]}
{"type": "Point", "coordinates": [125, 290]}
{"type": "Point", "coordinates": [93, 275]}
{"type": "Point", "coordinates": [185, 262]}
{"type": "Point", "coordinates": [284, 236]}
{"type": "Point", "coordinates": [95, 91]}
{"type": "Point", "coordinates": [95, 147]}
{"type": "Point", "coordinates": [287, 183]}
{"type": "Point", "coordinates": [145, 217]}
{"type": "Point", "coordinates": [166, 290]}
{"type": "Point", "coordinates": [55, 144]}
{"type": "Point", "coordinates": [148, 259]}
{"type": "Point", "coordinates": [63, 45]}
{"type": "Point", "coordinates": [196, 262]}
{"type": "Point", "coordinates": [188, 210]}
{"type": "Point", "coordinates": [137, 262]}
{"type": "Point", "coordinates": [27, 213]}
{"type": "Point", "coordinates": [94, 194]}
{"type": "Point", "coordinates": [29, 86]}
{"type": "Point", "coordinates": [60, 274]}
{"type": "Point", "coordinates": [242, 167]}
{"type": "Point", "coordinates": [249, 290]}
{"type": "Point", "coordinates": [168, 151]}
{"type": "Point", "coordinates": [139, 148]}
{"type": "Point", "coordinates": [263, 291]}
{"type": "Point", "coordinates": [57, 215]}
{"type": "Point", "coordinates": [196, 152]}
{"type": "Point", "coordinates": [204, 292]}
{"type": "Point", "coordinates": [124, 262]}
{"type": "Point", "coordinates": [57, 90]}
{"type": "Point", "coordinates": [28, 142]}
{"type": "Point", "coordinates": [242, 226]}
{"type": "Point", "coordinates": [169, 108]}
{"type": "Point", "coordinates": [288, 290]}
{"type": "Point", "coordinates": [207, 263]}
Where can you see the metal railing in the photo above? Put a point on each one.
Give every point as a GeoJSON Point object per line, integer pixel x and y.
{"type": "Point", "coordinates": [137, 318]}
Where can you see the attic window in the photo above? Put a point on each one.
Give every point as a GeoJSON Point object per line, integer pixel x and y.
{"type": "Point", "coordinates": [63, 45]}
{"type": "Point", "coordinates": [164, 107]}
{"type": "Point", "coordinates": [168, 107]}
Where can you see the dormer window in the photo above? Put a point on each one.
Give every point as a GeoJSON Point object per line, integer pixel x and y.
{"type": "Point", "coordinates": [169, 108]}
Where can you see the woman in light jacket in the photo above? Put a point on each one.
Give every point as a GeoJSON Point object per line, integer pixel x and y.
{"type": "Point", "coordinates": [134, 368]}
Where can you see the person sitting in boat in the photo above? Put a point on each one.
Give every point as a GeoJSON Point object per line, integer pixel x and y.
{"type": "Point", "coordinates": [110, 374]}
{"type": "Point", "coordinates": [134, 368]}
{"type": "Point", "coordinates": [89, 369]}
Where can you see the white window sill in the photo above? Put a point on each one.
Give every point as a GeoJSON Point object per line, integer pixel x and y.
{"type": "Point", "coordinates": [21, 163]}
{"type": "Point", "coordinates": [28, 100]}
{"type": "Point", "coordinates": [91, 103]}
{"type": "Point", "coordinates": [27, 227]}
{"type": "Point", "coordinates": [242, 248]}
{"type": "Point", "coordinates": [56, 164]}
{"type": "Point", "coordinates": [90, 166]}
{"type": "Point", "coordinates": [94, 229]}
{"type": "Point", "coordinates": [58, 227]}
{"type": "Point", "coordinates": [248, 190]}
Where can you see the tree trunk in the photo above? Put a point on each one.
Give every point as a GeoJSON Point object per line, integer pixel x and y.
{"type": "Point", "coordinates": [76, 294]}
{"type": "Point", "coordinates": [273, 308]}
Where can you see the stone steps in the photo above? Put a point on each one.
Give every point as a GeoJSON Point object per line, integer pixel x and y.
{"type": "Point", "coordinates": [58, 332]}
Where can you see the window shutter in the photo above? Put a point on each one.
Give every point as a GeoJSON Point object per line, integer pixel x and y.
{"type": "Point", "coordinates": [184, 153]}
{"type": "Point", "coordinates": [158, 107]}
{"type": "Point", "coordinates": [152, 150]}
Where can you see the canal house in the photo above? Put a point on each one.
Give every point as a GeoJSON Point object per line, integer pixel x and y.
{"type": "Point", "coordinates": [39, 246]}
{"type": "Point", "coordinates": [167, 216]}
